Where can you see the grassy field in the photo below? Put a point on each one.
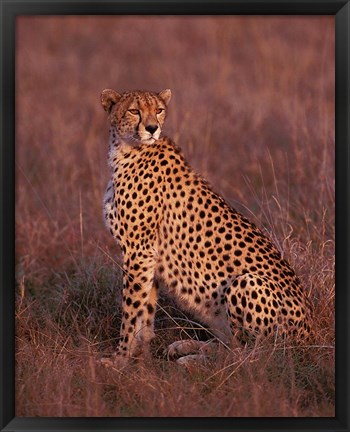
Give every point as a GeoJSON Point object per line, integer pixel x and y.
{"type": "Point", "coordinates": [253, 110]}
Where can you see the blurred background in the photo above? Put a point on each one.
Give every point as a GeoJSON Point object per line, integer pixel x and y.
{"type": "Point", "coordinates": [252, 109]}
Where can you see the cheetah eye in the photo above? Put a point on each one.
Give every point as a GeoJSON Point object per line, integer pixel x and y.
{"type": "Point", "coordinates": [159, 110]}
{"type": "Point", "coordinates": [134, 111]}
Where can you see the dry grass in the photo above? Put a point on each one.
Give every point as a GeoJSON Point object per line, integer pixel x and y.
{"type": "Point", "coordinates": [253, 109]}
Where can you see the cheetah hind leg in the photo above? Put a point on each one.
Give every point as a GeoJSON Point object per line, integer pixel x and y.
{"type": "Point", "coordinates": [256, 308]}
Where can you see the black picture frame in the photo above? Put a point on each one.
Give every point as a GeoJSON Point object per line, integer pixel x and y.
{"type": "Point", "coordinates": [9, 10]}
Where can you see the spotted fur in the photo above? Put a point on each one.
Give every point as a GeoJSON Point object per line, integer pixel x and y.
{"type": "Point", "coordinates": [172, 226]}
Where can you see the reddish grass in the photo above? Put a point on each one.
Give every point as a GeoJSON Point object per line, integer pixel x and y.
{"type": "Point", "coordinates": [253, 110]}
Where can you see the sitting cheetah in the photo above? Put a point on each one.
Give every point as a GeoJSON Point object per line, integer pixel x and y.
{"type": "Point", "coordinates": [172, 226]}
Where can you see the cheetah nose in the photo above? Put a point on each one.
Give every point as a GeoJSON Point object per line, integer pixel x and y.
{"type": "Point", "coordinates": [151, 128]}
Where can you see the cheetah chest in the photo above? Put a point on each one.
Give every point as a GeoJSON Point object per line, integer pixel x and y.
{"type": "Point", "coordinates": [133, 202]}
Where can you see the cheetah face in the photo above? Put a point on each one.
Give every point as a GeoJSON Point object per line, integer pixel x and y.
{"type": "Point", "coordinates": [138, 116]}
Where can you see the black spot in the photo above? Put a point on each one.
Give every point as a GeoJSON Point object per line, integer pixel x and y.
{"type": "Point", "coordinates": [137, 287]}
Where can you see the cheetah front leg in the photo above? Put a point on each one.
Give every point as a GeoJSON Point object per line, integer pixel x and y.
{"type": "Point", "coordinates": [140, 293]}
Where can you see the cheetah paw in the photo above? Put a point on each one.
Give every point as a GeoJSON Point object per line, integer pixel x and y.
{"type": "Point", "coordinates": [188, 346]}
{"type": "Point", "coordinates": [177, 349]}
{"type": "Point", "coordinates": [192, 361]}
{"type": "Point", "coordinates": [115, 362]}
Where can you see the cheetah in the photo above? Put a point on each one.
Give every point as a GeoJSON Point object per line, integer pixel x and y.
{"type": "Point", "coordinates": [172, 227]}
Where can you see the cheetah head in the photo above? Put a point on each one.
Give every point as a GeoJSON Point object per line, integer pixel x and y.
{"type": "Point", "coordinates": [137, 116]}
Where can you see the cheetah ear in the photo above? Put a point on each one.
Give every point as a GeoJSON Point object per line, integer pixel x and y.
{"type": "Point", "coordinates": [165, 95]}
{"type": "Point", "coordinates": [109, 98]}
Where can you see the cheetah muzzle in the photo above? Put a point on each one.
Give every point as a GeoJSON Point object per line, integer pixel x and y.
{"type": "Point", "coordinates": [173, 227]}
